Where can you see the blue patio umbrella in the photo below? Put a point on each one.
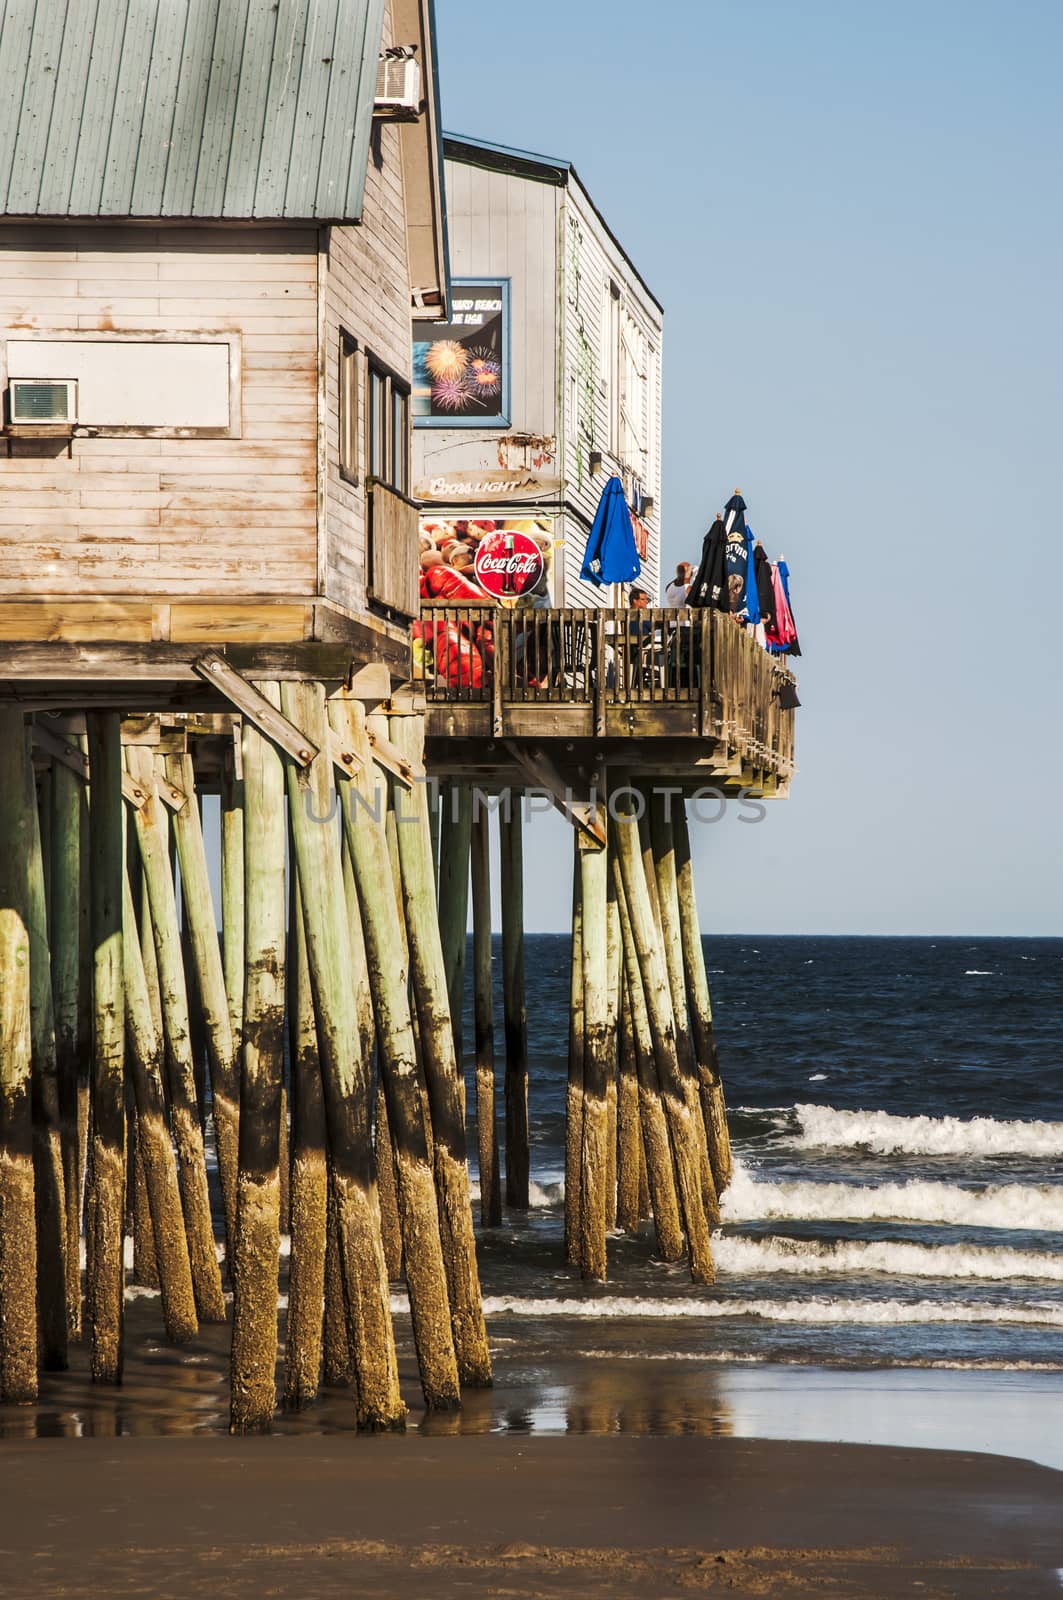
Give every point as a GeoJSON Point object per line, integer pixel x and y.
{"type": "Point", "coordinates": [611, 555]}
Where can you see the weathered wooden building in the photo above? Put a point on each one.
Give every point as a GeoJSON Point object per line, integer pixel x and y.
{"type": "Point", "coordinates": [579, 345]}
{"type": "Point", "coordinates": [210, 247]}
{"type": "Point", "coordinates": [216, 225]}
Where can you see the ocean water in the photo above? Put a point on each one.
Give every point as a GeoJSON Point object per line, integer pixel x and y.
{"type": "Point", "coordinates": [890, 1264]}
{"type": "Point", "coordinates": [896, 1108]}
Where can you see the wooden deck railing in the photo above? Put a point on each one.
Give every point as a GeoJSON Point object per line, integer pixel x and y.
{"type": "Point", "coordinates": [601, 660]}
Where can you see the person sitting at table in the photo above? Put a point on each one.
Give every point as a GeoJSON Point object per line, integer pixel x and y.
{"type": "Point", "coordinates": [639, 631]}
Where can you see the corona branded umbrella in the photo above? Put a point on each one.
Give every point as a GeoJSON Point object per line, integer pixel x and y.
{"type": "Point", "coordinates": [611, 555]}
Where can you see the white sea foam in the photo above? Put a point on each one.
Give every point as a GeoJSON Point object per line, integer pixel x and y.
{"type": "Point", "coordinates": [816, 1311]}
{"type": "Point", "coordinates": [738, 1256]}
{"type": "Point", "coordinates": [824, 1127]}
{"type": "Point", "coordinates": [1036, 1207]}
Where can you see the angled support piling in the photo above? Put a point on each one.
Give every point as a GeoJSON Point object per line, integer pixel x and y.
{"type": "Point", "coordinates": [255, 1261]}
{"type": "Point", "coordinates": [105, 1211]}
{"type": "Point", "coordinates": [683, 1132]}
{"type": "Point", "coordinates": [309, 1181]}
{"type": "Point", "coordinates": [47, 1134]}
{"type": "Point", "coordinates": [713, 1104]}
{"type": "Point", "coordinates": [364, 804]}
{"type": "Point", "coordinates": [18, 1234]}
{"type": "Point", "coordinates": [155, 1158]}
{"type": "Point", "coordinates": [656, 1154]}
{"type": "Point", "coordinates": [345, 1074]}
{"type": "Point", "coordinates": [66, 964]}
{"type": "Point", "coordinates": [441, 1067]}
{"type": "Point", "coordinates": [594, 900]}
{"type": "Point", "coordinates": [200, 920]}
{"type": "Point", "coordinates": [150, 825]}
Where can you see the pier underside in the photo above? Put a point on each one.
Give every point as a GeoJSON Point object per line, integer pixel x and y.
{"type": "Point", "coordinates": [314, 1026]}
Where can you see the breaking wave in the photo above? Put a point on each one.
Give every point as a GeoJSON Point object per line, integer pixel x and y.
{"type": "Point", "coordinates": [822, 1127]}
{"type": "Point", "coordinates": [1033, 1207]}
{"type": "Point", "coordinates": [808, 1311]}
{"type": "Point", "coordinates": [738, 1256]}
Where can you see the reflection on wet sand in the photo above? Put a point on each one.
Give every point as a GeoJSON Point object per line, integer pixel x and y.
{"type": "Point", "coordinates": [538, 1390]}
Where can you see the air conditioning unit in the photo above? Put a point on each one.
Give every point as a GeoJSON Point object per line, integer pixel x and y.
{"type": "Point", "coordinates": [398, 86]}
{"type": "Point", "coordinates": [43, 401]}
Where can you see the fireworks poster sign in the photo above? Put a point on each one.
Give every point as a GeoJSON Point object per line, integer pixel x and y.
{"type": "Point", "coordinates": [461, 367]}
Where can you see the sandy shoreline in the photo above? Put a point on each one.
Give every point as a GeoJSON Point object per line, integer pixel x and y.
{"type": "Point", "coordinates": [412, 1517]}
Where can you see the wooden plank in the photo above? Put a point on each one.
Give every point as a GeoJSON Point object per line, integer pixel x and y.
{"type": "Point", "coordinates": [239, 623]}
{"type": "Point", "coordinates": [215, 670]}
{"type": "Point", "coordinates": [393, 545]}
{"type": "Point", "coordinates": [47, 620]}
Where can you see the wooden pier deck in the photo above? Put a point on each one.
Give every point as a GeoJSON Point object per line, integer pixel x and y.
{"type": "Point", "coordinates": [683, 694]}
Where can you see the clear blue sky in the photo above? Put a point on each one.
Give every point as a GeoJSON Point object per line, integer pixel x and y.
{"type": "Point", "coordinates": [851, 212]}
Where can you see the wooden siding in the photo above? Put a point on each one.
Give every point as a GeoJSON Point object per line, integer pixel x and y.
{"type": "Point", "coordinates": [142, 517]}
{"type": "Point", "coordinates": [365, 290]}
{"type": "Point", "coordinates": [503, 226]}
{"type": "Point", "coordinates": [590, 260]}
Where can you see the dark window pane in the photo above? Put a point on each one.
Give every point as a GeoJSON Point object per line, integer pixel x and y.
{"type": "Point", "coordinates": [399, 438]}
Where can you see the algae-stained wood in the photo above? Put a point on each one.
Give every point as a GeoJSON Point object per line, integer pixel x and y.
{"type": "Point", "coordinates": [187, 108]}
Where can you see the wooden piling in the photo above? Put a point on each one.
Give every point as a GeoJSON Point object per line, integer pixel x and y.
{"type": "Point", "coordinates": [662, 835]}
{"type": "Point", "coordinates": [594, 900]}
{"type": "Point", "coordinates": [18, 1234]}
{"type": "Point", "coordinates": [614, 968]}
{"type": "Point", "coordinates": [232, 890]}
{"type": "Point", "coordinates": [390, 1229]}
{"type": "Point", "coordinates": [154, 1151]}
{"type": "Point", "coordinates": [336, 1369]}
{"type": "Point", "coordinates": [66, 963]}
{"type": "Point", "coordinates": [484, 1015]}
{"type": "Point", "coordinates": [455, 845]}
{"type": "Point", "coordinates": [518, 1154]}
{"type": "Point", "coordinates": [714, 1106]}
{"type": "Point", "coordinates": [628, 1136]}
{"type": "Point", "coordinates": [345, 1074]}
{"type": "Point", "coordinates": [364, 803]}
{"type": "Point", "coordinates": [574, 1087]}
{"type": "Point", "coordinates": [152, 837]}
{"type": "Point", "coordinates": [105, 1210]}
{"type": "Point", "coordinates": [50, 1204]}
{"type": "Point", "coordinates": [200, 920]}
{"type": "Point", "coordinates": [145, 1267]}
{"type": "Point", "coordinates": [441, 1065]}
{"type": "Point", "coordinates": [681, 1127]}
{"type": "Point", "coordinates": [655, 1145]}
{"type": "Point", "coordinates": [256, 1258]}
{"type": "Point", "coordinates": [309, 1181]}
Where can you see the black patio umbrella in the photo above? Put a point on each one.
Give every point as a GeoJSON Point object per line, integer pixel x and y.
{"type": "Point", "coordinates": [709, 587]}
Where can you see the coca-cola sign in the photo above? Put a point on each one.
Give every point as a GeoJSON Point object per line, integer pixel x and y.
{"type": "Point", "coordinates": [508, 564]}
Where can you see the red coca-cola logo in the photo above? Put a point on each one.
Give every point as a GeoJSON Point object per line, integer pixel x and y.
{"type": "Point", "coordinates": [508, 564]}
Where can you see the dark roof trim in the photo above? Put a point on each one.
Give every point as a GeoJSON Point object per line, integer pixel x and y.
{"type": "Point", "coordinates": [538, 169]}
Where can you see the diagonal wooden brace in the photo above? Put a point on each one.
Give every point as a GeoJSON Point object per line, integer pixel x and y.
{"type": "Point", "coordinates": [588, 817]}
{"type": "Point", "coordinates": [214, 669]}
{"type": "Point", "coordinates": [69, 755]}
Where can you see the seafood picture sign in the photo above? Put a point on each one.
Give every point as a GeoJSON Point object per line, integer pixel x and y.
{"type": "Point", "coordinates": [472, 559]}
{"type": "Point", "coordinates": [461, 367]}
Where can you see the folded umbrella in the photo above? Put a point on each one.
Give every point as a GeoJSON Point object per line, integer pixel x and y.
{"type": "Point", "coordinates": [709, 587]}
{"type": "Point", "coordinates": [611, 555]}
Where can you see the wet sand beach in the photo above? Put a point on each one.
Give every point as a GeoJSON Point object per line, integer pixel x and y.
{"type": "Point", "coordinates": [618, 1517]}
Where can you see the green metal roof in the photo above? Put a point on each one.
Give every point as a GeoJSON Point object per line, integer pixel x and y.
{"type": "Point", "coordinates": [187, 108]}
